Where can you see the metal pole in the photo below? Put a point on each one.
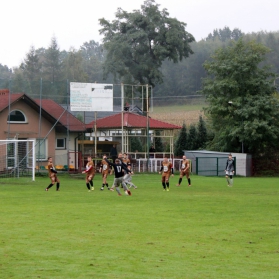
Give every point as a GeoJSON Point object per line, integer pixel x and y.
{"type": "Point", "coordinates": [68, 132]}
{"type": "Point", "coordinates": [147, 128]}
{"type": "Point", "coordinates": [40, 120]}
{"type": "Point", "coordinates": [122, 117]}
{"type": "Point", "coordinates": [95, 132]}
{"type": "Point", "coordinates": [9, 115]}
{"type": "Point", "coordinates": [33, 160]}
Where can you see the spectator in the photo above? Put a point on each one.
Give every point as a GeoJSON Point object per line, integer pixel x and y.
{"type": "Point", "coordinates": [113, 153]}
{"type": "Point", "coordinates": [152, 150]}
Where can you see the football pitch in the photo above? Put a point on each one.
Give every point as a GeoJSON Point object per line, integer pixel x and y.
{"type": "Point", "coordinates": [205, 231]}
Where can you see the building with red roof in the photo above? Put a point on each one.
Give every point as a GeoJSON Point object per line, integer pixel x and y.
{"type": "Point", "coordinates": [62, 136]}
{"type": "Point", "coordinates": [122, 126]}
{"type": "Point", "coordinates": [47, 122]}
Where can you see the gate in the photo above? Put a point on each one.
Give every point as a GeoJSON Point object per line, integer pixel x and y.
{"type": "Point", "coordinates": [212, 166]}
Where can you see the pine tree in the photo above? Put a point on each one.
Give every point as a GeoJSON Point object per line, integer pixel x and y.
{"type": "Point", "coordinates": [201, 134]}
{"type": "Point", "coordinates": [158, 142]}
{"type": "Point", "coordinates": [31, 68]}
{"type": "Point", "coordinates": [135, 144]}
{"type": "Point", "coordinates": [53, 61]}
{"type": "Point", "coordinates": [192, 138]}
{"type": "Point", "coordinates": [181, 142]}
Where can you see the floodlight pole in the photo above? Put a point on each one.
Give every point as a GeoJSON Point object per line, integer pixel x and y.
{"type": "Point", "coordinates": [40, 120]}
{"type": "Point", "coordinates": [95, 132]}
{"type": "Point", "coordinates": [68, 123]}
{"type": "Point", "coordinates": [9, 108]}
{"type": "Point", "coordinates": [147, 127]}
{"type": "Point", "coordinates": [122, 118]}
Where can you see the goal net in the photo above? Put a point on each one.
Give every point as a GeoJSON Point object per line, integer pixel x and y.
{"type": "Point", "coordinates": [17, 158]}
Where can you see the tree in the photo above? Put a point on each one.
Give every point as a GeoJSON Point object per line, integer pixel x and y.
{"type": "Point", "coordinates": [93, 57]}
{"type": "Point", "coordinates": [136, 145]}
{"type": "Point", "coordinates": [158, 142]}
{"type": "Point", "coordinates": [181, 142]}
{"type": "Point", "coordinates": [92, 49]}
{"type": "Point", "coordinates": [53, 61]}
{"type": "Point", "coordinates": [201, 134]}
{"type": "Point", "coordinates": [192, 138]}
{"type": "Point", "coordinates": [31, 67]}
{"type": "Point", "coordinates": [225, 34]}
{"type": "Point", "coordinates": [19, 84]}
{"type": "Point", "coordinates": [137, 43]}
{"type": "Point", "coordinates": [5, 74]}
{"type": "Point", "coordinates": [73, 66]}
{"type": "Point", "coordinates": [5, 71]}
{"type": "Point", "coordinates": [235, 77]}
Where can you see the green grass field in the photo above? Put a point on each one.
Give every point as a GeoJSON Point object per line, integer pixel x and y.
{"type": "Point", "coordinates": [205, 231]}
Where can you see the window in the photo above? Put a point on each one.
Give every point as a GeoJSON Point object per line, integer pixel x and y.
{"type": "Point", "coordinates": [61, 143]}
{"type": "Point", "coordinates": [41, 150]}
{"type": "Point", "coordinates": [16, 116]}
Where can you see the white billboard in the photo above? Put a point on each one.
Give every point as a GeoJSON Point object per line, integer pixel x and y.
{"type": "Point", "coordinates": [91, 96]}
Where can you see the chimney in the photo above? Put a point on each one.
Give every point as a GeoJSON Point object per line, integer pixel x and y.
{"type": "Point", "coordinates": [4, 92]}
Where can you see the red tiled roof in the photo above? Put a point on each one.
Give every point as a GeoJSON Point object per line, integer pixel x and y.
{"type": "Point", "coordinates": [49, 106]}
{"type": "Point", "coordinates": [4, 100]}
{"type": "Point", "coordinates": [55, 110]}
{"type": "Point", "coordinates": [130, 120]}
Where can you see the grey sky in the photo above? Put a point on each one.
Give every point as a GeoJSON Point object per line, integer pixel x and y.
{"type": "Point", "coordinates": [33, 22]}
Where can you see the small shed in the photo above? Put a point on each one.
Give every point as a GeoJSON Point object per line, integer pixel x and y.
{"type": "Point", "coordinates": [213, 163]}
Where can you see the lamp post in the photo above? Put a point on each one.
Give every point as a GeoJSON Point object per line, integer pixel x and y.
{"type": "Point", "coordinates": [242, 143]}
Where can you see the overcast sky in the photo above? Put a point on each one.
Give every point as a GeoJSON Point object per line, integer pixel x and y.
{"type": "Point", "coordinates": [31, 22]}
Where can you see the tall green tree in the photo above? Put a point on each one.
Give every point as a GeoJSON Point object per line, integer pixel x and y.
{"type": "Point", "coordinates": [53, 62]}
{"type": "Point", "coordinates": [31, 68]}
{"type": "Point", "coordinates": [19, 83]}
{"type": "Point", "coordinates": [236, 78]}
{"type": "Point", "coordinates": [5, 74]}
{"type": "Point", "coordinates": [158, 142]}
{"type": "Point", "coordinates": [137, 43]}
{"type": "Point", "coordinates": [181, 142]}
{"type": "Point", "coordinates": [201, 133]}
{"type": "Point", "coordinates": [92, 49]}
{"type": "Point", "coordinates": [93, 57]}
{"type": "Point", "coordinates": [135, 144]}
{"type": "Point", "coordinates": [73, 66]}
{"type": "Point", "coordinates": [192, 138]}
{"type": "Point", "coordinates": [5, 71]}
{"type": "Point", "coordinates": [225, 34]}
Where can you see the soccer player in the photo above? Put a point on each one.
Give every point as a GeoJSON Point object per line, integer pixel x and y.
{"type": "Point", "coordinates": [90, 173]}
{"type": "Point", "coordinates": [104, 170]}
{"type": "Point", "coordinates": [52, 173]}
{"type": "Point", "coordinates": [127, 177]}
{"type": "Point", "coordinates": [119, 169]}
{"type": "Point", "coordinates": [184, 170]}
{"type": "Point", "coordinates": [120, 157]}
{"type": "Point", "coordinates": [230, 170]}
{"type": "Point", "coordinates": [166, 170]}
